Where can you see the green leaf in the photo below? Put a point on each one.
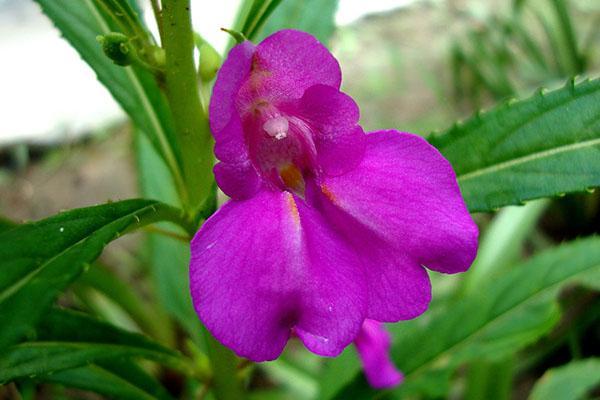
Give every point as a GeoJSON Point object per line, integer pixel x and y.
{"type": "Point", "coordinates": [254, 13]}
{"type": "Point", "coordinates": [67, 339]}
{"type": "Point", "coordinates": [313, 16]}
{"type": "Point", "coordinates": [142, 311]}
{"type": "Point", "coordinates": [102, 381]}
{"type": "Point", "coordinates": [6, 224]}
{"type": "Point", "coordinates": [544, 146]}
{"type": "Point", "coordinates": [502, 243]}
{"type": "Point", "coordinates": [503, 316]}
{"type": "Point", "coordinates": [569, 382]}
{"type": "Point", "coordinates": [134, 88]}
{"type": "Point", "coordinates": [168, 258]}
{"type": "Point", "coordinates": [38, 260]}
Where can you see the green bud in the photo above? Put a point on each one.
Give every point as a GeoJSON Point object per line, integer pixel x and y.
{"type": "Point", "coordinates": [116, 46]}
{"type": "Point", "coordinates": [159, 56]}
{"type": "Point", "coordinates": [238, 36]}
{"type": "Point", "coordinates": [210, 61]}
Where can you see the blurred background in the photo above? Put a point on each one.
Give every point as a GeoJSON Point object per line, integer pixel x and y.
{"type": "Point", "coordinates": [414, 65]}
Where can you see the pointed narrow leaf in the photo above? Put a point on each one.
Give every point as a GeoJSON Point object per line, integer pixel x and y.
{"type": "Point", "coordinates": [543, 146]}
{"type": "Point", "coordinates": [40, 259]}
{"type": "Point", "coordinates": [99, 380]}
{"type": "Point", "coordinates": [569, 382]}
{"type": "Point", "coordinates": [67, 339]}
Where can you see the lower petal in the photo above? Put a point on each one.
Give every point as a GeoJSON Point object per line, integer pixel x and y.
{"type": "Point", "coordinates": [263, 267]}
{"type": "Point", "coordinates": [336, 297]}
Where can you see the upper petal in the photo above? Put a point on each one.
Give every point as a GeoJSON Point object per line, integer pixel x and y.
{"type": "Point", "coordinates": [333, 116]}
{"type": "Point", "coordinates": [293, 61]}
{"type": "Point", "coordinates": [406, 193]}
{"type": "Point", "coordinates": [232, 74]}
{"type": "Point", "coordinates": [265, 266]}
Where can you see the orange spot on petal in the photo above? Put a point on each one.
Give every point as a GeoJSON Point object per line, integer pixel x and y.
{"type": "Point", "coordinates": [293, 209]}
{"type": "Point", "coordinates": [328, 193]}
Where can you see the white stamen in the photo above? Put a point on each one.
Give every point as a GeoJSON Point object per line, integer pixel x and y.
{"type": "Point", "coordinates": [277, 127]}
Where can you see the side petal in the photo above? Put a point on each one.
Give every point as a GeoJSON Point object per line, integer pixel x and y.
{"type": "Point", "coordinates": [237, 180]}
{"type": "Point", "coordinates": [293, 61]}
{"type": "Point", "coordinates": [231, 76]}
{"type": "Point", "coordinates": [264, 267]}
{"type": "Point", "coordinates": [333, 117]}
{"type": "Point", "coordinates": [373, 345]}
{"type": "Point", "coordinates": [406, 192]}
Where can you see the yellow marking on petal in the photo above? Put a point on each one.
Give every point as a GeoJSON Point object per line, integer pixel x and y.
{"type": "Point", "coordinates": [294, 209]}
{"type": "Point", "coordinates": [329, 194]}
{"type": "Point", "coordinates": [292, 178]}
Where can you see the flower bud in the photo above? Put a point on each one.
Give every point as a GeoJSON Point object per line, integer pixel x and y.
{"type": "Point", "coordinates": [210, 61]}
{"type": "Point", "coordinates": [116, 46]}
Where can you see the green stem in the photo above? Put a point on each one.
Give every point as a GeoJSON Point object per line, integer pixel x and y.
{"type": "Point", "coordinates": [224, 384]}
{"type": "Point", "coordinates": [191, 123]}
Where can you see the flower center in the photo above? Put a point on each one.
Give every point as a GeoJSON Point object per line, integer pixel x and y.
{"type": "Point", "coordinates": [277, 127]}
{"type": "Point", "coordinates": [280, 146]}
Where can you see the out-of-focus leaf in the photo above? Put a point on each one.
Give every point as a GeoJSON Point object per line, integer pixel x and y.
{"type": "Point", "coordinates": [295, 381]}
{"type": "Point", "coordinates": [99, 380]}
{"type": "Point", "coordinates": [543, 146]}
{"type": "Point", "coordinates": [168, 258]}
{"type": "Point", "coordinates": [119, 379]}
{"type": "Point", "coordinates": [38, 260]}
{"type": "Point", "coordinates": [338, 372]}
{"type": "Point", "coordinates": [568, 35]}
{"type": "Point", "coordinates": [6, 224]}
{"type": "Point", "coordinates": [134, 88]}
{"type": "Point", "coordinates": [254, 13]}
{"type": "Point", "coordinates": [502, 242]}
{"type": "Point", "coordinates": [134, 374]}
{"type": "Point", "coordinates": [313, 16]}
{"type": "Point", "coordinates": [67, 339]}
{"type": "Point", "coordinates": [144, 313]}
{"type": "Point", "coordinates": [502, 317]}
{"type": "Point", "coordinates": [569, 382]}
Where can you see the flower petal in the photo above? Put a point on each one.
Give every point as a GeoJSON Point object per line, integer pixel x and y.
{"type": "Point", "coordinates": [373, 345]}
{"type": "Point", "coordinates": [398, 287]}
{"type": "Point", "coordinates": [336, 296]}
{"type": "Point", "coordinates": [294, 61]}
{"type": "Point", "coordinates": [333, 115]}
{"type": "Point", "coordinates": [231, 76]}
{"type": "Point", "coordinates": [237, 180]}
{"type": "Point", "coordinates": [265, 266]}
{"type": "Point", "coordinates": [406, 192]}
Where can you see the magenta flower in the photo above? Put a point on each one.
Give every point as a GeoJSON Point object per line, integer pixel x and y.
{"type": "Point", "coordinates": [373, 343]}
{"type": "Point", "coordinates": [327, 226]}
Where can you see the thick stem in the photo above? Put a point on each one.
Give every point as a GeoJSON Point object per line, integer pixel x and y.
{"type": "Point", "coordinates": [191, 123]}
{"type": "Point", "coordinates": [195, 142]}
